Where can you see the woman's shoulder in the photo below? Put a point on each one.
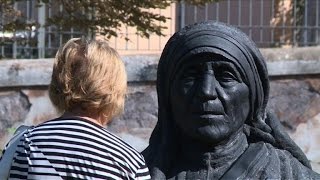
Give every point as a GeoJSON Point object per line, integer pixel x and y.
{"type": "Point", "coordinates": [83, 129]}
{"type": "Point", "coordinates": [87, 132]}
{"type": "Point", "coordinates": [81, 141]}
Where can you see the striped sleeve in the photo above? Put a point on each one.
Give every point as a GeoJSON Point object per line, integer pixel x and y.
{"type": "Point", "coordinates": [143, 173]}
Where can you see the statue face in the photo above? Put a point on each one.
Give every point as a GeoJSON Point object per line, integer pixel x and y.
{"type": "Point", "coordinates": [209, 100]}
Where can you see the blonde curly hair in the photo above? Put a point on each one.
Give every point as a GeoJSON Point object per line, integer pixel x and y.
{"type": "Point", "coordinates": [88, 75]}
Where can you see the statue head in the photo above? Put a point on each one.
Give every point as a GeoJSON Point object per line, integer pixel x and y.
{"type": "Point", "coordinates": [212, 57]}
{"type": "Point", "coordinates": [208, 98]}
{"type": "Point", "coordinates": [212, 82]}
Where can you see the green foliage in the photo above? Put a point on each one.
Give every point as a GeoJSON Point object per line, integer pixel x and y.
{"type": "Point", "coordinates": [11, 130]}
{"type": "Point", "coordinates": [102, 16]}
{"type": "Point", "coordinates": [96, 16]}
{"type": "Point", "coordinates": [12, 19]}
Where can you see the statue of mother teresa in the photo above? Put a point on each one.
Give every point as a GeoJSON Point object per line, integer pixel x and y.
{"type": "Point", "coordinates": [213, 89]}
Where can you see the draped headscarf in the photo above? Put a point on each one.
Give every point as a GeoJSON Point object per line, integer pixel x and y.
{"type": "Point", "coordinates": [216, 38]}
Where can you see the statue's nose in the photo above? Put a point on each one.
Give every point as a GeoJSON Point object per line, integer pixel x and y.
{"type": "Point", "coordinates": [207, 87]}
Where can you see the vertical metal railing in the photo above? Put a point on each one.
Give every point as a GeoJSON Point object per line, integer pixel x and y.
{"type": "Point", "coordinates": [239, 12]}
{"type": "Point", "coordinates": [60, 29]}
{"type": "Point", "coordinates": [228, 12]}
{"type": "Point", "coordinates": [41, 31]}
{"type": "Point", "coordinates": [317, 23]}
{"type": "Point", "coordinates": [182, 14]}
{"type": "Point", "coordinates": [195, 15]}
{"type": "Point", "coordinates": [269, 23]}
{"type": "Point", "coordinates": [272, 15]}
{"type": "Point", "coordinates": [255, 17]}
{"type": "Point", "coordinates": [49, 34]}
{"type": "Point", "coordinates": [305, 30]}
{"type": "Point", "coordinates": [206, 11]}
{"type": "Point", "coordinates": [159, 38]}
{"type": "Point", "coordinates": [2, 35]}
{"type": "Point", "coordinates": [261, 22]}
{"type": "Point", "coordinates": [283, 23]}
{"type": "Point", "coordinates": [14, 47]}
{"type": "Point", "coordinates": [295, 30]}
{"type": "Point", "coordinates": [250, 19]}
{"type": "Point", "coordinates": [217, 11]}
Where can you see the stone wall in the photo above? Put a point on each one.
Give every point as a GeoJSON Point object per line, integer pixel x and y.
{"type": "Point", "coordinates": [294, 97]}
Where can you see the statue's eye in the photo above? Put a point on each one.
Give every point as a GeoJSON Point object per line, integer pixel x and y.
{"type": "Point", "coordinates": [227, 77]}
{"type": "Point", "coordinates": [190, 75]}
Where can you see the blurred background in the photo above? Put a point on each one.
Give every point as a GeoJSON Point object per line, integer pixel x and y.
{"type": "Point", "coordinates": [36, 28]}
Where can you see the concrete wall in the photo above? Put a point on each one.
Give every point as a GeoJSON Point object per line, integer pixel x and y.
{"type": "Point", "coordinates": [294, 97]}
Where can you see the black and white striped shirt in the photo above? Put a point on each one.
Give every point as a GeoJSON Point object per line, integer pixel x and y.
{"type": "Point", "coordinates": [75, 149]}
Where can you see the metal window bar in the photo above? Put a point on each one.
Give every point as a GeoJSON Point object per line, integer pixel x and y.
{"type": "Point", "coordinates": [49, 28]}
{"type": "Point", "coordinates": [206, 12]}
{"type": "Point", "coordinates": [60, 34]}
{"type": "Point", "coordinates": [127, 36]}
{"type": "Point", "coordinates": [159, 42]}
{"type": "Point", "coordinates": [250, 19]}
{"type": "Point", "coordinates": [2, 35]}
{"type": "Point", "coordinates": [283, 23]}
{"type": "Point", "coordinates": [295, 30]}
{"type": "Point", "coordinates": [195, 11]}
{"type": "Point", "coordinates": [261, 22]}
{"type": "Point", "coordinates": [217, 11]}
{"type": "Point", "coordinates": [171, 22]}
{"type": "Point", "coordinates": [14, 48]}
{"type": "Point", "coordinates": [305, 34]}
{"type": "Point", "coordinates": [228, 12]}
{"type": "Point", "coordinates": [182, 14]}
{"type": "Point", "coordinates": [137, 42]}
{"type": "Point", "coordinates": [317, 23]}
{"type": "Point", "coordinates": [239, 13]}
{"type": "Point", "coordinates": [272, 16]}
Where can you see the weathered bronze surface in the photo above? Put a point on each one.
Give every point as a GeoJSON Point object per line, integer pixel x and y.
{"type": "Point", "coordinates": [213, 122]}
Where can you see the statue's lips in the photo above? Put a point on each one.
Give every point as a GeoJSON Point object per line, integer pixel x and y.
{"type": "Point", "coordinates": [208, 110]}
{"type": "Point", "coordinates": [211, 107]}
{"type": "Point", "coordinates": [209, 116]}
{"type": "Point", "coordinates": [209, 119]}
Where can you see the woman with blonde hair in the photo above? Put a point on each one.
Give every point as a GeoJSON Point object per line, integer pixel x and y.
{"type": "Point", "coordinates": [88, 86]}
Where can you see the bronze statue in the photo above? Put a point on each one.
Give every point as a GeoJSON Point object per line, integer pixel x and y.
{"type": "Point", "coordinates": [213, 123]}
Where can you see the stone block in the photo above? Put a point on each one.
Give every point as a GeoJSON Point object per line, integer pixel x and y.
{"type": "Point", "coordinates": [294, 101]}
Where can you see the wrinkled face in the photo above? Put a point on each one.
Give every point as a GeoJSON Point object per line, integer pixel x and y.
{"type": "Point", "coordinates": [209, 100]}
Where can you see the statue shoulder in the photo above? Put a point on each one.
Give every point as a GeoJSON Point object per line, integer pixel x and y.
{"type": "Point", "coordinates": [284, 165]}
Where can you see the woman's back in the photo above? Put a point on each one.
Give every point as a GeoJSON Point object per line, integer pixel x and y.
{"type": "Point", "coordinates": [75, 148]}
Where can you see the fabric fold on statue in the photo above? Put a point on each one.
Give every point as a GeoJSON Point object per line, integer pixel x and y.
{"type": "Point", "coordinates": [284, 139]}
{"type": "Point", "coordinates": [234, 45]}
{"type": "Point", "coordinates": [276, 137]}
{"type": "Point", "coordinates": [272, 167]}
